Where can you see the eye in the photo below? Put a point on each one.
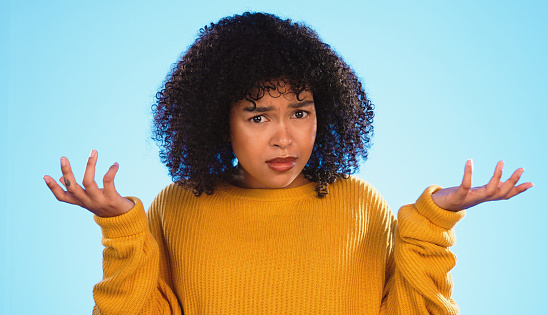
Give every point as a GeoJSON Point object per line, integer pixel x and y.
{"type": "Point", "coordinates": [258, 119]}
{"type": "Point", "coordinates": [300, 114]}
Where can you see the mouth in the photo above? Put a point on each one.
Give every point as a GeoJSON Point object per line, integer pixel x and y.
{"type": "Point", "coordinates": [282, 164]}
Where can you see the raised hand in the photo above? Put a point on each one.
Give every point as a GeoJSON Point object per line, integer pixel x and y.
{"type": "Point", "coordinates": [104, 202]}
{"type": "Point", "coordinates": [466, 196]}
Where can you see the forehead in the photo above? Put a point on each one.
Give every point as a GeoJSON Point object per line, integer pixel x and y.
{"type": "Point", "coordinates": [274, 92]}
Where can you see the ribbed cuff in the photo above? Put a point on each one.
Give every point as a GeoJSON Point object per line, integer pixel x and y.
{"type": "Point", "coordinates": [130, 223]}
{"type": "Point", "coordinates": [446, 219]}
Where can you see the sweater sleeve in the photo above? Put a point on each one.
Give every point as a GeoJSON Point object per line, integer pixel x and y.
{"type": "Point", "coordinates": [131, 268]}
{"type": "Point", "coordinates": [419, 281]}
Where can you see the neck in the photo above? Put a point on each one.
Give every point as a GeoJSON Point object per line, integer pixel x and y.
{"type": "Point", "coordinates": [240, 180]}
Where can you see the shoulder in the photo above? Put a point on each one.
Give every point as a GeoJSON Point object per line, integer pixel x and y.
{"type": "Point", "coordinates": [357, 192]}
{"type": "Point", "coordinates": [172, 197]}
{"type": "Point", "coordinates": [354, 186]}
{"type": "Point", "coordinates": [174, 190]}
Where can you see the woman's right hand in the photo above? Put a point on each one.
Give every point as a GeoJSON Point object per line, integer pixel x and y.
{"type": "Point", "coordinates": [104, 202]}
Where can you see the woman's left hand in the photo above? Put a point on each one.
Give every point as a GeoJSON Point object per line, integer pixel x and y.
{"type": "Point", "coordinates": [466, 196]}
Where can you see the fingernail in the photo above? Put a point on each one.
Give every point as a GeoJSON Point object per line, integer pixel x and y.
{"type": "Point", "coordinates": [115, 164]}
{"type": "Point", "coordinates": [46, 180]}
{"type": "Point", "coordinates": [92, 153]}
{"type": "Point", "coordinates": [63, 161]}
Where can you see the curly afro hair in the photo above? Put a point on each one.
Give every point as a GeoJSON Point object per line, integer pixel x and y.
{"type": "Point", "coordinates": [236, 58]}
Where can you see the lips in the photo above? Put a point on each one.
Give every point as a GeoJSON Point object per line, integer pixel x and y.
{"type": "Point", "coordinates": [282, 164]}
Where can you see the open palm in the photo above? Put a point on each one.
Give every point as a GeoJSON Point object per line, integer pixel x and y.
{"type": "Point", "coordinates": [466, 196]}
{"type": "Point", "coordinates": [104, 202]}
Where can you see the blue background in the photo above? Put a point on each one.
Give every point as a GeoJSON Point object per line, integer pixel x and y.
{"type": "Point", "coordinates": [450, 80]}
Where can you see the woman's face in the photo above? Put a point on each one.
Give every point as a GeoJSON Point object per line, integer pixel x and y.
{"type": "Point", "coordinates": [273, 141]}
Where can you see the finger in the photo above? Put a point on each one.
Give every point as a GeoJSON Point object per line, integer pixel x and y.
{"type": "Point", "coordinates": [59, 192]}
{"type": "Point", "coordinates": [466, 183]}
{"type": "Point", "coordinates": [493, 185]}
{"type": "Point", "coordinates": [467, 178]}
{"type": "Point", "coordinates": [70, 182]}
{"type": "Point", "coordinates": [507, 186]}
{"type": "Point", "coordinates": [108, 181]}
{"type": "Point", "coordinates": [64, 182]}
{"type": "Point", "coordinates": [518, 190]}
{"type": "Point", "coordinates": [89, 175]}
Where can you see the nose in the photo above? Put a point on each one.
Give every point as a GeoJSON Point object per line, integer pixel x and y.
{"type": "Point", "coordinates": [281, 137]}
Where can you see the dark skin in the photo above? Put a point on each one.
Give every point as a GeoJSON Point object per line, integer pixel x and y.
{"type": "Point", "coordinates": [107, 202]}
{"type": "Point", "coordinates": [104, 202]}
{"type": "Point", "coordinates": [466, 196]}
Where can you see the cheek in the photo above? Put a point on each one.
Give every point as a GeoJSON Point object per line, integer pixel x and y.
{"type": "Point", "coordinates": [312, 133]}
{"type": "Point", "coordinates": [245, 144]}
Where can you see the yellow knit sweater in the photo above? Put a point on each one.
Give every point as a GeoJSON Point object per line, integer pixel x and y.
{"type": "Point", "coordinates": [284, 251]}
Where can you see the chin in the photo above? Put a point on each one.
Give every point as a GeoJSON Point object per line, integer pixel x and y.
{"type": "Point", "coordinates": [292, 182]}
{"type": "Point", "coordinates": [273, 180]}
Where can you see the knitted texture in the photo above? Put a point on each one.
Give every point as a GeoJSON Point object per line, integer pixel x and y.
{"type": "Point", "coordinates": [262, 251]}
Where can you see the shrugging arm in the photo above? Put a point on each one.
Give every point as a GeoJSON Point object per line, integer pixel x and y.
{"type": "Point", "coordinates": [420, 282]}
{"type": "Point", "coordinates": [134, 278]}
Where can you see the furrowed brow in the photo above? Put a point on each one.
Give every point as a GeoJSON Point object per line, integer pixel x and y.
{"type": "Point", "coordinates": [258, 109]}
{"type": "Point", "coordinates": [301, 104]}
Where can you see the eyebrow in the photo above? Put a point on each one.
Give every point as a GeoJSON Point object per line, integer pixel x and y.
{"type": "Point", "coordinates": [263, 109]}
